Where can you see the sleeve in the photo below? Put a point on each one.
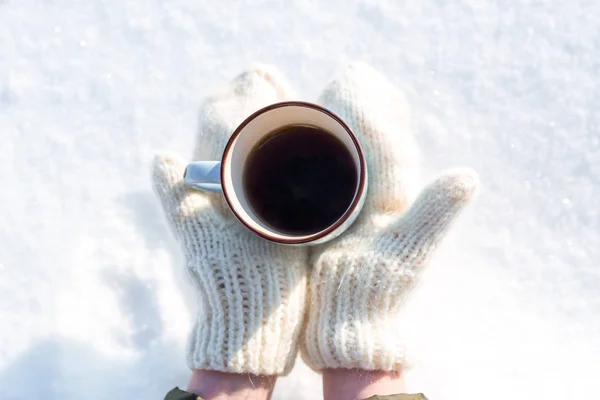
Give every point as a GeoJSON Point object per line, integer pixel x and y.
{"type": "Point", "coordinates": [178, 394]}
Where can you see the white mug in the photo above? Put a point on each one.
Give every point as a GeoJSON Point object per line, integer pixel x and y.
{"type": "Point", "coordinates": [226, 175]}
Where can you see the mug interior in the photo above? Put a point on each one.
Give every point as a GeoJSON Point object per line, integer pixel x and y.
{"type": "Point", "coordinates": [257, 128]}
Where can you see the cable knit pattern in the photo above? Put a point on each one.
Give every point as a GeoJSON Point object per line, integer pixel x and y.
{"type": "Point", "coordinates": [251, 292]}
{"type": "Point", "coordinates": [359, 280]}
{"type": "Point", "coordinates": [373, 107]}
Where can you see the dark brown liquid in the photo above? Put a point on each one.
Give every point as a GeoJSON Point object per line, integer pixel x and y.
{"type": "Point", "coordinates": [300, 180]}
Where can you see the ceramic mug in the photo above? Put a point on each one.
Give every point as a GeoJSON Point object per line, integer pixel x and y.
{"type": "Point", "coordinates": [226, 175]}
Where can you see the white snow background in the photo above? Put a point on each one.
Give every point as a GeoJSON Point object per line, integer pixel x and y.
{"type": "Point", "coordinates": [90, 298]}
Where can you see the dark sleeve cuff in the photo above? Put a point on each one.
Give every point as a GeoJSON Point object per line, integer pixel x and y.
{"type": "Point", "coordinates": [418, 396]}
{"type": "Point", "coordinates": [178, 394]}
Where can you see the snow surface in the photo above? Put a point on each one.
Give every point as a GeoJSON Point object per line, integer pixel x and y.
{"type": "Point", "coordinates": [90, 306]}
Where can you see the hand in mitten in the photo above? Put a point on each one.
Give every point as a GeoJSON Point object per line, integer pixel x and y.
{"type": "Point", "coordinates": [359, 281]}
{"type": "Point", "coordinates": [251, 292]}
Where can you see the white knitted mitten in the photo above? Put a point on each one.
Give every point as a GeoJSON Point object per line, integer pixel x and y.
{"type": "Point", "coordinates": [251, 292]}
{"type": "Point", "coordinates": [358, 281]}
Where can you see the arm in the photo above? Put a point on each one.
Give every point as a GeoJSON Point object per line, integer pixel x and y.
{"type": "Point", "coordinates": [354, 384]}
{"type": "Point", "coordinates": [215, 385]}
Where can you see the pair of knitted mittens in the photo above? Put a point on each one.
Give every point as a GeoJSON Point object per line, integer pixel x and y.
{"type": "Point", "coordinates": [259, 302]}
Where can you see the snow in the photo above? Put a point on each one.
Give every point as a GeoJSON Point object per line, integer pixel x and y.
{"type": "Point", "coordinates": [91, 305]}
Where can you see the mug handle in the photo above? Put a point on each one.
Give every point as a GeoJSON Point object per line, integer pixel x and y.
{"type": "Point", "coordinates": [204, 175]}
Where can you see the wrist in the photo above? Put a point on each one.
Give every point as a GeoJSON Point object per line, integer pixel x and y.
{"type": "Point", "coordinates": [357, 384]}
{"type": "Point", "coordinates": [216, 385]}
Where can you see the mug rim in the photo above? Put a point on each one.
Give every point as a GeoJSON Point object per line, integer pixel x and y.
{"type": "Point", "coordinates": [361, 179]}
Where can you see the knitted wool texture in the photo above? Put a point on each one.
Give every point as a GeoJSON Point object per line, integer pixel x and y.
{"type": "Point", "coordinates": [251, 292]}
{"type": "Point", "coordinates": [358, 281]}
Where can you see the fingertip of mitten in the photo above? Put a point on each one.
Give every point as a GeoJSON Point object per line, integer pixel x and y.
{"type": "Point", "coordinates": [464, 182]}
{"type": "Point", "coordinates": [362, 74]}
{"type": "Point", "coordinates": [167, 168]}
{"type": "Point", "coordinates": [369, 91]}
{"type": "Point", "coordinates": [269, 74]}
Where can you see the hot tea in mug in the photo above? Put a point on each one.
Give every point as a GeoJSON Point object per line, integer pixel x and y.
{"type": "Point", "coordinates": [300, 179]}
{"type": "Point", "coordinates": [292, 172]}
